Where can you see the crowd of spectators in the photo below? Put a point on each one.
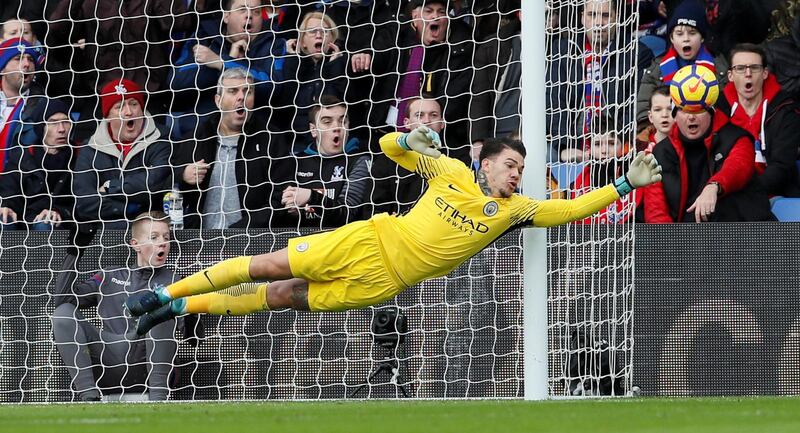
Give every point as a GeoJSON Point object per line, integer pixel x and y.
{"type": "Point", "coordinates": [266, 113]}
{"type": "Point", "coordinates": [260, 113]}
{"type": "Point", "coordinates": [726, 163]}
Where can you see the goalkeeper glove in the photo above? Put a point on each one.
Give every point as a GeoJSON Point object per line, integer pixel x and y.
{"type": "Point", "coordinates": [422, 140]}
{"type": "Point", "coordinates": [644, 170]}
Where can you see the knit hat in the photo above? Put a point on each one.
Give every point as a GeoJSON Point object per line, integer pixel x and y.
{"type": "Point", "coordinates": [689, 13]}
{"type": "Point", "coordinates": [52, 107]}
{"type": "Point", "coordinates": [413, 4]}
{"type": "Point", "coordinates": [14, 47]}
{"type": "Point", "coordinates": [115, 90]}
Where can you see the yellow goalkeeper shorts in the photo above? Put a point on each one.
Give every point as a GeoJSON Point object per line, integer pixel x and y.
{"type": "Point", "coordinates": [344, 268]}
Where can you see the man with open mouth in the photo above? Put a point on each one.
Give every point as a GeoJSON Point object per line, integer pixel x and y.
{"type": "Point", "coordinates": [221, 169]}
{"type": "Point", "coordinates": [240, 39]}
{"type": "Point", "coordinates": [104, 358]}
{"type": "Point", "coordinates": [125, 169]}
{"type": "Point", "coordinates": [707, 171]}
{"type": "Point", "coordinates": [432, 57]}
{"type": "Point", "coordinates": [327, 184]}
{"type": "Point", "coordinates": [754, 100]}
{"type": "Point", "coordinates": [687, 30]}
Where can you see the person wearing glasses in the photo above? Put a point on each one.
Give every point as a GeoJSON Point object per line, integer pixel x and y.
{"type": "Point", "coordinates": [754, 100]}
{"type": "Point", "coordinates": [313, 66]}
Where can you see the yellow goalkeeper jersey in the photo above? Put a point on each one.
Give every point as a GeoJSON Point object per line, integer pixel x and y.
{"type": "Point", "coordinates": [454, 220]}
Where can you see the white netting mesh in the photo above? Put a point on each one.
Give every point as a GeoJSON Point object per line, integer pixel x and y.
{"type": "Point", "coordinates": [464, 330]}
{"type": "Point", "coordinates": [591, 96]}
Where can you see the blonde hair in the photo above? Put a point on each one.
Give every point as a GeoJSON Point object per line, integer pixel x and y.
{"type": "Point", "coordinates": [151, 216]}
{"type": "Point", "coordinates": [327, 21]}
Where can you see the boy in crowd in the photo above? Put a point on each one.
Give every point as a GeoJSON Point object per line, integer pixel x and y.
{"type": "Point", "coordinates": [660, 116]}
{"type": "Point", "coordinates": [105, 358]}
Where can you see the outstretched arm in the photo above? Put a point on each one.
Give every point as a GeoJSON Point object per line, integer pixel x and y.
{"type": "Point", "coordinates": [550, 213]}
{"type": "Point", "coordinates": [644, 171]}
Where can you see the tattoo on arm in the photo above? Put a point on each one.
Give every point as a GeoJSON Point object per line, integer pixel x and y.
{"type": "Point", "coordinates": [300, 298]}
{"type": "Point", "coordinates": [483, 182]}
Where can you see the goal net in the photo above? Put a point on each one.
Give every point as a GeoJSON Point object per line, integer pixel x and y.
{"type": "Point", "coordinates": [461, 335]}
{"type": "Point", "coordinates": [591, 112]}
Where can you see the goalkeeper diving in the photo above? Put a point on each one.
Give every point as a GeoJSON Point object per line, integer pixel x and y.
{"type": "Point", "coordinates": [368, 262]}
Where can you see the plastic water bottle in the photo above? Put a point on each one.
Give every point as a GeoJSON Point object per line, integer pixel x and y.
{"type": "Point", "coordinates": [173, 206]}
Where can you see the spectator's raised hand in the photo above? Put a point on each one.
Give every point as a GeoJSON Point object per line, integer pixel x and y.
{"type": "Point", "coordinates": [706, 203]}
{"type": "Point", "coordinates": [239, 48]}
{"type": "Point", "coordinates": [206, 57]}
{"type": "Point", "coordinates": [291, 46]}
{"type": "Point", "coordinates": [195, 173]}
{"type": "Point", "coordinates": [48, 216]}
{"type": "Point", "coordinates": [334, 50]}
{"type": "Point", "coordinates": [7, 215]}
{"type": "Point", "coordinates": [361, 62]}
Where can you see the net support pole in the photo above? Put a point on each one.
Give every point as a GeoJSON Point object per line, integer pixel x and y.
{"type": "Point", "coordinates": [534, 240]}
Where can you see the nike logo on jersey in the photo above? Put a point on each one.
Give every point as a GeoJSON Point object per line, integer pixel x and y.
{"type": "Point", "coordinates": [205, 273]}
{"type": "Point", "coordinates": [453, 188]}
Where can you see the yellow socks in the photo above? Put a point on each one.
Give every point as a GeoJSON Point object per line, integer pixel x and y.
{"type": "Point", "coordinates": [220, 276]}
{"type": "Point", "coordinates": [235, 301]}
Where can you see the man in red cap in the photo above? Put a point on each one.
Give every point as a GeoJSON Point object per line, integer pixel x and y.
{"type": "Point", "coordinates": [125, 168]}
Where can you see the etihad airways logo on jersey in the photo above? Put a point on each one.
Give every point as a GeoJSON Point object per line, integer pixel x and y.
{"type": "Point", "coordinates": [458, 219]}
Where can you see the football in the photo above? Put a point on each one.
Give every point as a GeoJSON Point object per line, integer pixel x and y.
{"type": "Point", "coordinates": [694, 87]}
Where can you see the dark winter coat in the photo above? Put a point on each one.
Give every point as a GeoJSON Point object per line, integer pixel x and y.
{"type": "Point", "coordinates": [136, 183]}
{"type": "Point", "coordinates": [730, 164]}
{"type": "Point", "coordinates": [340, 186]}
{"type": "Point", "coordinates": [252, 164]}
{"type": "Point", "coordinates": [448, 76]}
{"type": "Point", "coordinates": [34, 181]}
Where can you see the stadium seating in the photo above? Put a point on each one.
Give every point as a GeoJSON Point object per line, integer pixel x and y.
{"type": "Point", "coordinates": [786, 209]}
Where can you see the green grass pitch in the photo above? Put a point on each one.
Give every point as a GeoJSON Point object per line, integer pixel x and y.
{"type": "Point", "coordinates": [706, 415]}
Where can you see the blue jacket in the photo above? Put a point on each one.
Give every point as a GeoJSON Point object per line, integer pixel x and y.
{"type": "Point", "coordinates": [188, 75]}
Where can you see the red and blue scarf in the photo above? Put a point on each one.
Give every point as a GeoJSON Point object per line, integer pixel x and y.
{"type": "Point", "coordinates": [592, 88]}
{"type": "Point", "coordinates": [9, 132]}
{"type": "Point", "coordinates": [672, 62]}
